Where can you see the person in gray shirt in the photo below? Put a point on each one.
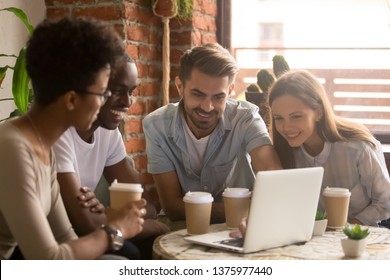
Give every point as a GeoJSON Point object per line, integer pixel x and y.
{"type": "Point", "coordinates": [207, 141]}
{"type": "Point", "coordinates": [307, 133]}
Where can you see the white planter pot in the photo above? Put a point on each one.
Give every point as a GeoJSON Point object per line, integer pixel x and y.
{"type": "Point", "coordinates": [319, 227]}
{"type": "Point", "coordinates": [353, 248]}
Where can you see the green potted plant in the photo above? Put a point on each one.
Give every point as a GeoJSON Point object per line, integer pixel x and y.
{"type": "Point", "coordinates": [167, 9]}
{"type": "Point", "coordinates": [253, 94]}
{"type": "Point", "coordinates": [355, 242]}
{"type": "Point", "coordinates": [21, 89]}
{"type": "Point", "coordinates": [256, 96]}
{"type": "Point", "coordinates": [265, 79]}
{"type": "Point", "coordinates": [320, 223]}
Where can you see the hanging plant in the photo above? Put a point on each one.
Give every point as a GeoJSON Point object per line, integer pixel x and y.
{"type": "Point", "coordinates": [165, 8]}
{"type": "Point", "coordinates": [180, 9]}
{"type": "Point", "coordinates": [184, 9]}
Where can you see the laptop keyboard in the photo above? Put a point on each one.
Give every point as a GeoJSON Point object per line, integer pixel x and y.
{"type": "Point", "coordinates": [236, 242]}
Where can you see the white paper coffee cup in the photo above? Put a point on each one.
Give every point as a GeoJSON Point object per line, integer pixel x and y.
{"type": "Point", "coordinates": [123, 193]}
{"type": "Point", "coordinates": [236, 204]}
{"type": "Point", "coordinates": [198, 211]}
{"type": "Point", "coordinates": [336, 201]}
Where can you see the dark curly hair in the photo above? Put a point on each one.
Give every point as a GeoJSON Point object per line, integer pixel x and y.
{"type": "Point", "coordinates": [68, 54]}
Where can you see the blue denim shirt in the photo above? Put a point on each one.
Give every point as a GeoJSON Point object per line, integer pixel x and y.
{"type": "Point", "coordinates": [226, 161]}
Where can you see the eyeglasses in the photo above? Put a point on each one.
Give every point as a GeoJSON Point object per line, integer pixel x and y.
{"type": "Point", "coordinates": [103, 96]}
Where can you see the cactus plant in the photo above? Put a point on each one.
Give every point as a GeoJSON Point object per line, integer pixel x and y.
{"type": "Point", "coordinates": [264, 80]}
{"type": "Point", "coordinates": [258, 97]}
{"type": "Point", "coordinates": [253, 88]}
{"type": "Point", "coordinates": [253, 94]}
{"type": "Point", "coordinates": [279, 65]}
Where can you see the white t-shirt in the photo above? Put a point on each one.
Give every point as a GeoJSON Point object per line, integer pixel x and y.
{"type": "Point", "coordinates": [88, 160]}
{"type": "Point", "coordinates": [196, 148]}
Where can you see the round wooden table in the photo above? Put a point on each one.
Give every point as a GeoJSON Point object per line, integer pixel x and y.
{"type": "Point", "coordinates": [172, 246]}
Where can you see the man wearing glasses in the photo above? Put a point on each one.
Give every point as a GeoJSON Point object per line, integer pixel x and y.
{"type": "Point", "coordinates": [84, 156]}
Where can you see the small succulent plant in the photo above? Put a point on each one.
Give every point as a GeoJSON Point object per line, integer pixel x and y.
{"type": "Point", "coordinates": [320, 215]}
{"type": "Point", "coordinates": [355, 232]}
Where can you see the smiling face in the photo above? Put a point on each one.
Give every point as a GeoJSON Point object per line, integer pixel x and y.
{"type": "Point", "coordinates": [296, 121]}
{"type": "Point", "coordinates": [122, 84]}
{"type": "Point", "coordinates": [204, 99]}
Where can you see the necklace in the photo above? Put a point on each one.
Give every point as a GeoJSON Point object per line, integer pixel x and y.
{"type": "Point", "coordinates": [37, 134]}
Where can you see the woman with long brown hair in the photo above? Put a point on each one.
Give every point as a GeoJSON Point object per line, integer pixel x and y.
{"type": "Point", "coordinates": [307, 133]}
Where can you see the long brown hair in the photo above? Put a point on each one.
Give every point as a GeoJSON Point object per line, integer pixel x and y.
{"type": "Point", "coordinates": [331, 128]}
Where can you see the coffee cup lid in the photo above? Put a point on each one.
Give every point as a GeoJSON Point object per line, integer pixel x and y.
{"type": "Point", "coordinates": [236, 192]}
{"type": "Point", "coordinates": [130, 187]}
{"type": "Point", "coordinates": [336, 192]}
{"type": "Point", "coordinates": [198, 197]}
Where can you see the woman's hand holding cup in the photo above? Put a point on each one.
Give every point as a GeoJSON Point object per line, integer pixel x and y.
{"type": "Point", "coordinates": [129, 220]}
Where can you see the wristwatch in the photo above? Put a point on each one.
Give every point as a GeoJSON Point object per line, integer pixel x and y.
{"type": "Point", "coordinates": [115, 237]}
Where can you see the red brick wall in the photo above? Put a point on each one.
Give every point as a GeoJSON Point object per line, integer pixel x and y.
{"type": "Point", "coordinates": [142, 32]}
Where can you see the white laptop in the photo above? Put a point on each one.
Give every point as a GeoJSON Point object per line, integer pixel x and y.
{"type": "Point", "coordinates": [282, 212]}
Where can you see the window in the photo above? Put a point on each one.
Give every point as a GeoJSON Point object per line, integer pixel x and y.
{"type": "Point", "coordinates": [345, 43]}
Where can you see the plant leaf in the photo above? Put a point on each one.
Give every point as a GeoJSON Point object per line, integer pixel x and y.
{"type": "Point", "coordinates": [15, 113]}
{"type": "Point", "coordinates": [184, 9]}
{"type": "Point", "coordinates": [3, 70]}
{"type": "Point", "coordinates": [20, 82]}
{"type": "Point", "coordinates": [7, 55]}
{"type": "Point", "coordinates": [265, 80]}
{"type": "Point", "coordinates": [23, 17]}
{"type": "Point", "coordinates": [320, 215]}
{"type": "Point", "coordinates": [280, 65]}
{"type": "Point", "coordinates": [356, 232]}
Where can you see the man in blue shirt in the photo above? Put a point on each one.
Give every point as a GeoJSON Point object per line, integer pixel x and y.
{"type": "Point", "coordinates": [207, 141]}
